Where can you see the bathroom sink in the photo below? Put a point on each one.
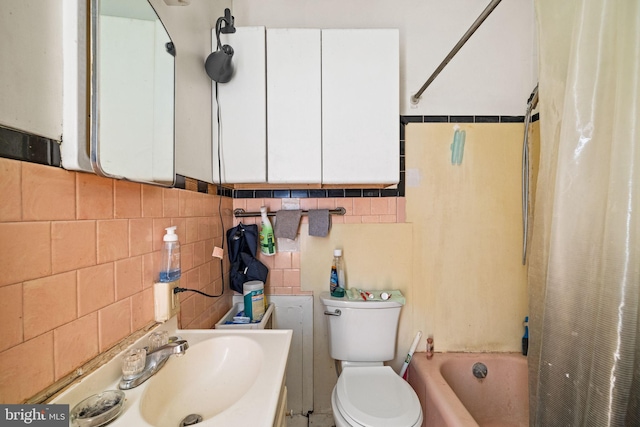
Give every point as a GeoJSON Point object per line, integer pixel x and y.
{"type": "Point", "coordinates": [228, 377]}
{"type": "Point", "coordinates": [211, 377]}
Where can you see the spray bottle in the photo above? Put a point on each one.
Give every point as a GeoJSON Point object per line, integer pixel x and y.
{"type": "Point", "coordinates": [267, 239]}
{"type": "Point", "coordinates": [336, 279]}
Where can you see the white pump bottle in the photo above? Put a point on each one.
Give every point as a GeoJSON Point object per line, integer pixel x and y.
{"type": "Point", "coordinates": [170, 267]}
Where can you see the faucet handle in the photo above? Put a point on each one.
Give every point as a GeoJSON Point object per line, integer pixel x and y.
{"type": "Point", "coordinates": [134, 361]}
{"type": "Point", "coordinates": [157, 340]}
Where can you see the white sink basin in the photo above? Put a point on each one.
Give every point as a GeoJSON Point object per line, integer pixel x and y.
{"type": "Point", "coordinates": [212, 376]}
{"type": "Point", "coordinates": [228, 377]}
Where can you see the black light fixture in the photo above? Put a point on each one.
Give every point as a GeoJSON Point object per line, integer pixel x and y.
{"type": "Point", "coordinates": [218, 64]}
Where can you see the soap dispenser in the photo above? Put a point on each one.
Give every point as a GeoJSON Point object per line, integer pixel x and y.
{"type": "Point", "coordinates": [170, 267]}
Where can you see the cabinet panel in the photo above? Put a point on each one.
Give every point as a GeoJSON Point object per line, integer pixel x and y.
{"type": "Point", "coordinates": [360, 106]}
{"type": "Point", "coordinates": [31, 91]}
{"type": "Point", "coordinates": [241, 106]}
{"type": "Point", "coordinates": [140, 149]}
{"type": "Point", "coordinates": [294, 121]}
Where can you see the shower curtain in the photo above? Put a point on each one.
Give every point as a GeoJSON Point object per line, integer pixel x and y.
{"type": "Point", "coordinates": [584, 264]}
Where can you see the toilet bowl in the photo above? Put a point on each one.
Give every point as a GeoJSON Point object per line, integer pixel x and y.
{"type": "Point", "coordinates": [374, 397]}
{"type": "Point", "coordinates": [362, 335]}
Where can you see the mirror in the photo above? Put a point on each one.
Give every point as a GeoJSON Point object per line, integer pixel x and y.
{"type": "Point", "coordinates": [132, 93]}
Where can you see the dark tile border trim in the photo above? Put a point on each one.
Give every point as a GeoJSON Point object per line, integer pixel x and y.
{"type": "Point", "coordinates": [185, 183]}
{"type": "Point", "coordinates": [27, 147]}
{"type": "Point", "coordinates": [385, 192]}
{"type": "Point", "coordinates": [22, 146]}
{"type": "Point", "coordinates": [463, 119]}
{"type": "Point", "coordinates": [318, 193]}
{"type": "Point", "coordinates": [180, 182]}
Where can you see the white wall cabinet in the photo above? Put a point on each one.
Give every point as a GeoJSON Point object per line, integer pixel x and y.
{"type": "Point", "coordinates": [360, 106]}
{"type": "Point", "coordinates": [332, 107]}
{"type": "Point", "coordinates": [241, 107]}
{"type": "Point", "coordinates": [294, 101]}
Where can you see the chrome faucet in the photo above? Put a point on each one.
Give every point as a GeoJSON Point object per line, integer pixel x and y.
{"type": "Point", "coordinates": [154, 361]}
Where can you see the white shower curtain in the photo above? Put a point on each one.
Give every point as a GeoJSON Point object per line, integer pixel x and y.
{"type": "Point", "coordinates": [584, 271]}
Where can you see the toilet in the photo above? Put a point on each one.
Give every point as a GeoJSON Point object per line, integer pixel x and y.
{"type": "Point", "coordinates": [362, 335]}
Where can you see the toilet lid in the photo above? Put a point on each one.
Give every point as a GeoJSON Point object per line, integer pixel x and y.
{"type": "Point", "coordinates": [377, 396]}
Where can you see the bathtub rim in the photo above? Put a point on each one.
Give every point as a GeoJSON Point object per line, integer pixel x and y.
{"type": "Point", "coordinates": [450, 408]}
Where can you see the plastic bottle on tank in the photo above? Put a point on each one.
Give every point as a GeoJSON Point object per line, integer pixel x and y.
{"type": "Point", "coordinates": [170, 266]}
{"type": "Point", "coordinates": [337, 278]}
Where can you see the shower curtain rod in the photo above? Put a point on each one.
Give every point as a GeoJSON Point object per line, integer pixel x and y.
{"type": "Point", "coordinates": [485, 13]}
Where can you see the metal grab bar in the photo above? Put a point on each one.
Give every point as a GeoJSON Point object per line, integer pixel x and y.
{"type": "Point", "coordinates": [415, 98]}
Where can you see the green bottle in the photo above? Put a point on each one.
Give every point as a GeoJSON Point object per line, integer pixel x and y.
{"type": "Point", "coordinates": [267, 239]}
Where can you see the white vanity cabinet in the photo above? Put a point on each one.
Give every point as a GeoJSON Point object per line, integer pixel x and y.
{"type": "Point", "coordinates": [281, 411]}
{"type": "Point", "coordinates": [332, 108]}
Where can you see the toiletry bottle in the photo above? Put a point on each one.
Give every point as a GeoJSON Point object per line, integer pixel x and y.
{"type": "Point", "coordinates": [267, 239]}
{"type": "Point", "coordinates": [342, 281]}
{"type": "Point", "coordinates": [429, 347]}
{"type": "Point", "coordinates": [525, 338]}
{"type": "Point", "coordinates": [170, 267]}
{"type": "Point", "coordinates": [337, 272]}
{"type": "Point", "coordinates": [253, 292]}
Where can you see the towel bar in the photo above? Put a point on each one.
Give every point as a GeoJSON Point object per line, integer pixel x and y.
{"type": "Point", "coordinates": [240, 213]}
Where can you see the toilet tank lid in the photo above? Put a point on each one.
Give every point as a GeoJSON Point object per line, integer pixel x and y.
{"type": "Point", "coordinates": [345, 302]}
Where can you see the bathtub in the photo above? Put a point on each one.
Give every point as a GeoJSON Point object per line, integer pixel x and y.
{"type": "Point", "coordinates": [452, 396]}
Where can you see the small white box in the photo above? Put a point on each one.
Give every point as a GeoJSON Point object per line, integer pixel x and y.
{"type": "Point", "coordinates": [265, 323]}
{"type": "Point", "coordinates": [166, 302]}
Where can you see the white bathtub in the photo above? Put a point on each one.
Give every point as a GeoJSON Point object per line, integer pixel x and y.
{"type": "Point", "coordinates": [452, 396]}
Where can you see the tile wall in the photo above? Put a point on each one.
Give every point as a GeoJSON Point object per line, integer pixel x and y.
{"type": "Point", "coordinates": [80, 254]}
{"type": "Point", "coordinates": [284, 266]}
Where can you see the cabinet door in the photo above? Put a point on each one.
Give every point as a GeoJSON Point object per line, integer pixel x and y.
{"type": "Point", "coordinates": [240, 105]}
{"type": "Point", "coordinates": [294, 126]}
{"type": "Point", "coordinates": [360, 106]}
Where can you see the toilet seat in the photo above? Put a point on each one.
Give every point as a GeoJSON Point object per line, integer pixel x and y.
{"type": "Point", "coordinates": [375, 397]}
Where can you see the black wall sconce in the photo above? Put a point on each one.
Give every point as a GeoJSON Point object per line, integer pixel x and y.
{"type": "Point", "coordinates": [219, 66]}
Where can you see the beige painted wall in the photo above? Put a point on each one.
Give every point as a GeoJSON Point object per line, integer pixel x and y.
{"type": "Point", "coordinates": [470, 287]}
{"type": "Point", "coordinates": [377, 256]}
{"type": "Point", "coordinates": [457, 258]}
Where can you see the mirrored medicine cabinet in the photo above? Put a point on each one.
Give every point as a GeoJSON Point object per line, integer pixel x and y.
{"type": "Point", "coordinates": [132, 93]}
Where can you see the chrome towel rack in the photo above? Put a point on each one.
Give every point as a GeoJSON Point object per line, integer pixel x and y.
{"type": "Point", "coordinates": [240, 213]}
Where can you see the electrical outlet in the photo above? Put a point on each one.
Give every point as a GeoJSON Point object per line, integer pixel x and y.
{"type": "Point", "coordinates": [166, 303]}
{"type": "Point", "coordinates": [175, 298]}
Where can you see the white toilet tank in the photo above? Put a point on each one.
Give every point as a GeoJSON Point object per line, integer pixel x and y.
{"type": "Point", "coordinates": [363, 331]}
